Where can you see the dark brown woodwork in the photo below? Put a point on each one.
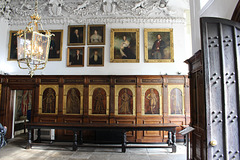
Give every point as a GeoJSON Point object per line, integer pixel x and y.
{"type": "Point", "coordinates": [236, 13]}
{"type": "Point", "coordinates": [214, 92]}
{"type": "Point", "coordinates": [25, 82]}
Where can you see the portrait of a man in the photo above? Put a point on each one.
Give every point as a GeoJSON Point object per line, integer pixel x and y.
{"type": "Point", "coordinates": [49, 101]}
{"type": "Point", "coordinates": [125, 101]}
{"type": "Point", "coordinates": [96, 56]}
{"type": "Point", "coordinates": [99, 101]}
{"type": "Point", "coordinates": [76, 35]}
{"type": "Point", "coordinates": [96, 34]}
{"type": "Point", "coordinates": [55, 50]}
{"type": "Point", "coordinates": [75, 57]}
{"type": "Point", "coordinates": [158, 45]}
{"type": "Point", "coordinates": [124, 45]}
{"type": "Point", "coordinates": [12, 46]}
{"type": "Point", "coordinates": [151, 101]}
{"type": "Point", "coordinates": [73, 101]}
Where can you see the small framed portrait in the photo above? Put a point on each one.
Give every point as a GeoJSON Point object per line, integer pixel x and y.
{"type": "Point", "coordinates": [95, 56]}
{"type": "Point", "coordinates": [75, 56]}
{"type": "Point", "coordinates": [76, 35]}
{"type": "Point", "coordinates": [12, 46]}
{"type": "Point", "coordinates": [158, 45]}
{"type": "Point", "coordinates": [124, 46]}
{"type": "Point", "coordinates": [55, 50]}
{"type": "Point", "coordinates": [96, 35]}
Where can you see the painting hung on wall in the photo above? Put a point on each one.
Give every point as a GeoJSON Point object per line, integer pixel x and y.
{"type": "Point", "coordinates": [55, 50]}
{"type": "Point", "coordinates": [12, 46]}
{"type": "Point", "coordinates": [23, 104]}
{"type": "Point", "coordinates": [75, 57]}
{"type": "Point", "coordinates": [96, 35]}
{"type": "Point", "coordinates": [176, 102]}
{"type": "Point", "coordinates": [124, 45]}
{"type": "Point", "coordinates": [125, 101]}
{"type": "Point", "coordinates": [151, 101]}
{"type": "Point", "coordinates": [99, 101]}
{"type": "Point", "coordinates": [95, 56]}
{"type": "Point", "coordinates": [76, 35]}
{"type": "Point", "coordinates": [158, 45]}
{"type": "Point", "coordinates": [49, 101]}
{"type": "Point", "coordinates": [73, 101]}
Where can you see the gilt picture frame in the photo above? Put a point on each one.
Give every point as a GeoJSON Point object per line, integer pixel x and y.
{"type": "Point", "coordinates": [76, 35]}
{"type": "Point", "coordinates": [158, 44]}
{"type": "Point", "coordinates": [96, 35]}
{"type": "Point", "coordinates": [124, 46]}
{"type": "Point", "coordinates": [75, 57]}
{"type": "Point", "coordinates": [95, 56]}
{"type": "Point", "coordinates": [55, 50]}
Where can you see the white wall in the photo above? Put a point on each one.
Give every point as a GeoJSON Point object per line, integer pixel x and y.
{"type": "Point", "coordinates": [4, 65]}
{"type": "Point", "coordinates": [214, 8]}
{"type": "Point", "coordinates": [181, 42]}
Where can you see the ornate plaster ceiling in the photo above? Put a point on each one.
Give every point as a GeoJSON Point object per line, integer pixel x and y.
{"type": "Point", "coordinates": [95, 11]}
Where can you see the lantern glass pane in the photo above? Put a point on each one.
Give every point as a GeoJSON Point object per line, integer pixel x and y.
{"type": "Point", "coordinates": [40, 47]}
{"type": "Point", "coordinates": [24, 46]}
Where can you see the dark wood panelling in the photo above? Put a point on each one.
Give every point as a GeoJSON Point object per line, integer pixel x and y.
{"type": "Point", "coordinates": [10, 82]}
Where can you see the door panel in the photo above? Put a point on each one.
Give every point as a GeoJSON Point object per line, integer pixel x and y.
{"type": "Point", "coordinates": [220, 42]}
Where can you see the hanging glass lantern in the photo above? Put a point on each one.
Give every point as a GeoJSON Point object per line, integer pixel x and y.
{"type": "Point", "coordinates": [33, 46]}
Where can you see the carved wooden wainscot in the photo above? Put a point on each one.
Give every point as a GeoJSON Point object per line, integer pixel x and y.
{"type": "Point", "coordinates": [102, 100]}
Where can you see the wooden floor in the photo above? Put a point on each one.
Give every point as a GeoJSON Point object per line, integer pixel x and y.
{"type": "Point", "coordinates": [14, 150]}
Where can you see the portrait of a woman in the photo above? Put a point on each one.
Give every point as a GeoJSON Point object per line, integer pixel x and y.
{"type": "Point", "coordinates": [125, 49]}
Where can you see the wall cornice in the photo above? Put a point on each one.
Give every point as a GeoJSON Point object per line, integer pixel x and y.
{"type": "Point", "coordinates": [93, 12]}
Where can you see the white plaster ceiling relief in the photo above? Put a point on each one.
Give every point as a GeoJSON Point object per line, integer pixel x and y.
{"type": "Point", "coordinates": [96, 11]}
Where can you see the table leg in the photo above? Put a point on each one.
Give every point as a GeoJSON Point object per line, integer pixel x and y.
{"type": "Point", "coordinates": [169, 141]}
{"type": "Point", "coordinates": [38, 140]}
{"type": "Point", "coordinates": [124, 141]}
{"type": "Point", "coordinates": [29, 144]}
{"type": "Point", "coordinates": [81, 139]}
{"type": "Point", "coordinates": [174, 147]}
{"type": "Point", "coordinates": [75, 141]}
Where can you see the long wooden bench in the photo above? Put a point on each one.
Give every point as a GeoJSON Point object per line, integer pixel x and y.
{"type": "Point", "coordinates": [123, 128]}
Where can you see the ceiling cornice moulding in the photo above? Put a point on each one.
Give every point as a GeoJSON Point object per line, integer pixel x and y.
{"type": "Point", "coordinates": [95, 11]}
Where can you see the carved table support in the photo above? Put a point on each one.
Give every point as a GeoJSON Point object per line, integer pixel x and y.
{"type": "Point", "coordinates": [75, 140]}
{"type": "Point", "coordinates": [124, 141]}
{"type": "Point", "coordinates": [174, 148]}
{"type": "Point", "coordinates": [38, 140]}
{"type": "Point", "coordinates": [169, 141]}
{"type": "Point", "coordinates": [81, 139]}
{"type": "Point", "coordinates": [29, 144]}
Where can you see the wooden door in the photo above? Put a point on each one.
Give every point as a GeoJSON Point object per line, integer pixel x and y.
{"type": "Point", "coordinates": [221, 49]}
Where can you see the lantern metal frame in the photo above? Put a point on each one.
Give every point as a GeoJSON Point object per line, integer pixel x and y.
{"type": "Point", "coordinates": [33, 46]}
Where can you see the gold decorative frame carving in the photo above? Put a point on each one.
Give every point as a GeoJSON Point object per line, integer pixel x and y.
{"type": "Point", "coordinates": [101, 30]}
{"type": "Point", "coordinates": [65, 91]}
{"type": "Point", "coordinates": [91, 90]}
{"type": "Point", "coordinates": [117, 90]}
{"type": "Point", "coordinates": [181, 88]}
{"type": "Point", "coordinates": [144, 89]}
{"type": "Point", "coordinates": [71, 29]}
{"type": "Point", "coordinates": [149, 39]}
{"type": "Point", "coordinates": [41, 90]}
{"type": "Point", "coordinates": [123, 32]}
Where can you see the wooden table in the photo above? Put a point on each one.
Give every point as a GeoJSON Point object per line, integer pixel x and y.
{"type": "Point", "coordinates": [123, 128]}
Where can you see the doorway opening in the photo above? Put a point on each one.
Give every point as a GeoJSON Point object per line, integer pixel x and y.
{"type": "Point", "coordinates": [22, 105]}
